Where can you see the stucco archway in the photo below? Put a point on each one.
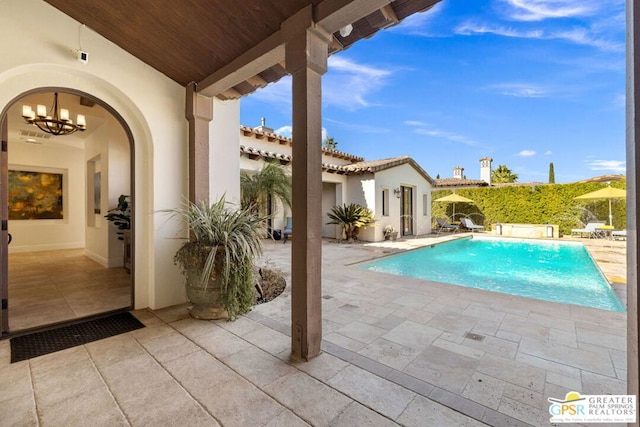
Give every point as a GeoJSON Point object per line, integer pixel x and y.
{"type": "Point", "coordinates": [33, 78]}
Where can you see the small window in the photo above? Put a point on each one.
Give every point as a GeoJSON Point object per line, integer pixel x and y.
{"type": "Point", "coordinates": [385, 202]}
{"type": "Point", "coordinates": [425, 204]}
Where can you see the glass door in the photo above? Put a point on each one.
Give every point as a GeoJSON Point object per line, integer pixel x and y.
{"type": "Point", "coordinates": [406, 211]}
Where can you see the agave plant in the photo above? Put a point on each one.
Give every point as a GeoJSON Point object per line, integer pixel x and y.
{"type": "Point", "coordinates": [223, 244]}
{"type": "Point", "coordinates": [351, 218]}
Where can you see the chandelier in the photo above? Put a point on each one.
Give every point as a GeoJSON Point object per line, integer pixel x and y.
{"type": "Point", "coordinates": [57, 122]}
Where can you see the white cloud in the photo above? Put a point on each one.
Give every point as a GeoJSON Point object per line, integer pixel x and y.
{"type": "Point", "coordinates": [414, 123]}
{"type": "Point", "coordinates": [548, 153]}
{"type": "Point", "coordinates": [537, 10]}
{"type": "Point", "coordinates": [581, 36]}
{"type": "Point", "coordinates": [450, 136]}
{"type": "Point", "coordinates": [526, 153]}
{"type": "Point", "coordinates": [521, 90]}
{"type": "Point", "coordinates": [470, 28]}
{"type": "Point", "coordinates": [348, 84]}
{"type": "Point", "coordinates": [418, 23]}
{"type": "Point", "coordinates": [275, 93]}
{"type": "Point", "coordinates": [607, 165]}
{"type": "Point", "coordinates": [284, 131]}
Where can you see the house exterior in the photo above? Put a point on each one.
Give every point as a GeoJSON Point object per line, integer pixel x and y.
{"type": "Point", "coordinates": [397, 190]}
{"type": "Point", "coordinates": [172, 90]}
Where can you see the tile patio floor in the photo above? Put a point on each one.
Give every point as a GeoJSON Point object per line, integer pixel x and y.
{"type": "Point", "coordinates": [395, 351]}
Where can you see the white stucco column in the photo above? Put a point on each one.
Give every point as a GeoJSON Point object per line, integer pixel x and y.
{"type": "Point", "coordinates": [306, 60]}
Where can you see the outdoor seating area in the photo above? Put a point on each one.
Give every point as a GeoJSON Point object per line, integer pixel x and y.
{"type": "Point", "coordinates": [599, 230]}
{"type": "Point", "coordinates": [590, 230]}
{"type": "Point", "coordinates": [468, 224]}
{"type": "Point", "coordinates": [444, 225]}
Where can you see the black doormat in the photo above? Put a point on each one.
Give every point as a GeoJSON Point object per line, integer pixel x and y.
{"type": "Point", "coordinates": [45, 342]}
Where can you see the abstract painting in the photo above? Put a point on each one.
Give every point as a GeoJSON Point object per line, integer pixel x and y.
{"type": "Point", "coordinates": [35, 195]}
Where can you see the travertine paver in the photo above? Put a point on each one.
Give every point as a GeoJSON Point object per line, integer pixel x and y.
{"type": "Point", "coordinates": [527, 350]}
{"type": "Point", "coordinates": [396, 350]}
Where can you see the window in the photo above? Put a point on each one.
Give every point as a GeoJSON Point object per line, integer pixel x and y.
{"type": "Point", "coordinates": [425, 204]}
{"type": "Point", "coordinates": [385, 202]}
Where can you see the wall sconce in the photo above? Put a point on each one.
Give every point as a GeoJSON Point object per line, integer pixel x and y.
{"type": "Point", "coordinates": [397, 192]}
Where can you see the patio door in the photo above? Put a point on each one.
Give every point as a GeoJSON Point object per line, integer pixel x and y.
{"type": "Point", "coordinates": [406, 211]}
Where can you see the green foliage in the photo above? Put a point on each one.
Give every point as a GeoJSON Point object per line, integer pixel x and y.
{"type": "Point", "coordinates": [351, 218]}
{"type": "Point", "coordinates": [225, 240]}
{"type": "Point", "coordinates": [331, 143]}
{"type": "Point", "coordinates": [502, 174]}
{"type": "Point", "coordinates": [272, 181]}
{"type": "Point", "coordinates": [120, 216]}
{"type": "Point", "coordinates": [534, 204]}
{"type": "Point", "coordinates": [552, 174]}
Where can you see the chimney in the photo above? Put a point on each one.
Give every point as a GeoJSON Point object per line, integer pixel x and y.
{"type": "Point", "coordinates": [485, 169]}
{"type": "Point", "coordinates": [263, 127]}
{"type": "Point", "coordinates": [457, 172]}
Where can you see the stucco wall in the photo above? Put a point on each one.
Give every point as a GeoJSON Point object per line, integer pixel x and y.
{"type": "Point", "coordinates": [38, 51]}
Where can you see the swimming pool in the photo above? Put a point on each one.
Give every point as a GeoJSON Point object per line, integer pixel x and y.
{"type": "Point", "coordinates": [547, 270]}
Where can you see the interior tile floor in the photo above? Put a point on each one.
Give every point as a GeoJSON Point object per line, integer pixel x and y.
{"type": "Point", "coordinates": [54, 286]}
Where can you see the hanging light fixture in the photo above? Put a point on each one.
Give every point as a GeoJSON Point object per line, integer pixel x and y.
{"type": "Point", "coordinates": [57, 122]}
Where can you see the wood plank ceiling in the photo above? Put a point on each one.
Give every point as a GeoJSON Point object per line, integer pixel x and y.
{"type": "Point", "coordinates": [188, 40]}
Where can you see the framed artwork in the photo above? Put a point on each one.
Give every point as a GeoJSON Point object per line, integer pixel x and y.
{"type": "Point", "coordinates": [35, 195]}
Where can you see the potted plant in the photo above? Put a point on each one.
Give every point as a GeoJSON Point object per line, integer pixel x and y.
{"type": "Point", "coordinates": [217, 261]}
{"type": "Point", "coordinates": [390, 233]}
{"type": "Point", "coordinates": [120, 216]}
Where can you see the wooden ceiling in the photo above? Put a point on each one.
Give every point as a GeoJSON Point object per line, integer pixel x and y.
{"type": "Point", "coordinates": [190, 40]}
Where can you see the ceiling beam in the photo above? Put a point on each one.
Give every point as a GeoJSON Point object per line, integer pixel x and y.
{"type": "Point", "coordinates": [330, 15]}
{"type": "Point", "coordinates": [267, 53]}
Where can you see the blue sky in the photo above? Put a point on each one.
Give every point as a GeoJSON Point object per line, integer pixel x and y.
{"type": "Point", "coordinates": [525, 82]}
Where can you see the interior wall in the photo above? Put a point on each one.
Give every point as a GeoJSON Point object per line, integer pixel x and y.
{"type": "Point", "coordinates": [38, 52]}
{"type": "Point", "coordinates": [50, 234]}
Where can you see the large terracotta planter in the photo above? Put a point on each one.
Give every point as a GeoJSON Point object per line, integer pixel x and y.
{"type": "Point", "coordinates": [206, 301]}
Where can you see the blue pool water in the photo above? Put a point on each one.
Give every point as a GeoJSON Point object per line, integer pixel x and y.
{"type": "Point", "coordinates": [552, 271]}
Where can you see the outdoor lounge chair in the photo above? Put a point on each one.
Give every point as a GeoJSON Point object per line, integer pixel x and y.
{"type": "Point", "coordinates": [619, 234]}
{"type": "Point", "coordinates": [467, 223]}
{"type": "Point", "coordinates": [591, 229]}
{"type": "Point", "coordinates": [444, 225]}
{"type": "Point", "coordinates": [288, 230]}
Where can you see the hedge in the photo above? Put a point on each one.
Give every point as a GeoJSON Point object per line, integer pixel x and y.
{"type": "Point", "coordinates": [534, 204]}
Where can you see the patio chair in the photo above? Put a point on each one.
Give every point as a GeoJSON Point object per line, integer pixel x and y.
{"type": "Point", "coordinates": [619, 234]}
{"type": "Point", "coordinates": [288, 231]}
{"type": "Point", "coordinates": [591, 229]}
{"type": "Point", "coordinates": [444, 225]}
{"type": "Point", "coordinates": [467, 223]}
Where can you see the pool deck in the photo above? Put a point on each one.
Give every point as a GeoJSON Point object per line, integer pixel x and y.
{"type": "Point", "coordinates": [396, 351]}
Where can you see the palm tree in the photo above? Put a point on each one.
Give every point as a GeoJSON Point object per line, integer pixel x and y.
{"type": "Point", "coordinates": [261, 189]}
{"type": "Point", "coordinates": [503, 174]}
{"type": "Point", "coordinates": [331, 143]}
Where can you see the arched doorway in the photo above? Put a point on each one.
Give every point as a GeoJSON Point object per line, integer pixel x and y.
{"type": "Point", "coordinates": [65, 260]}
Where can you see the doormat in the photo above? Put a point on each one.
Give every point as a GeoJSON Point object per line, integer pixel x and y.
{"type": "Point", "coordinates": [45, 342]}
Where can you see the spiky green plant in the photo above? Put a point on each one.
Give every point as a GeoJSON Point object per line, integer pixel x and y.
{"type": "Point", "coordinates": [225, 238]}
{"type": "Point", "coordinates": [351, 218]}
{"type": "Point", "coordinates": [272, 181]}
